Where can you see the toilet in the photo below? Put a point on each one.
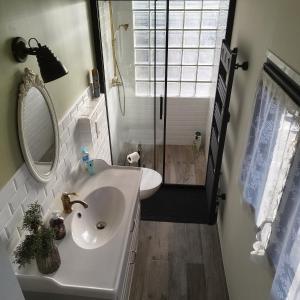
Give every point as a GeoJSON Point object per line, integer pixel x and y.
{"type": "Point", "coordinates": [150, 183]}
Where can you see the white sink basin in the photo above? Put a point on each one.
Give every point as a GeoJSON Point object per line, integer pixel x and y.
{"type": "Point", "coordinates": [100, 254]}
{"type": "Point", "coordinates": [95, 226]}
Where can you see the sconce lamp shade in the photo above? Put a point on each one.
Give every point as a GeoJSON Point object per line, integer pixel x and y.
{"type": "Point", "coordinates": [50, 66]}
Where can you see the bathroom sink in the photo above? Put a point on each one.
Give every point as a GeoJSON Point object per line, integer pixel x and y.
{"type": "Point", "coordinates": [95, 226]}
{"type": "Point", "coordinates": [98, 238]}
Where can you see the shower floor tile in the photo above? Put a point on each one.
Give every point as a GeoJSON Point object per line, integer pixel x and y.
{"type": "Point", "coordinates": [184, 165]}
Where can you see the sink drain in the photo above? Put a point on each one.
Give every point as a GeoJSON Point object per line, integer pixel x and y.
{"type": "Point", "coordinates": [101, 225]}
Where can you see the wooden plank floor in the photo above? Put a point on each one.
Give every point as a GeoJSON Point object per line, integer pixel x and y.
{"type": "Point", "coordinates": [184, 165]}
{"type": "Point", "coordinates": [177, 261]}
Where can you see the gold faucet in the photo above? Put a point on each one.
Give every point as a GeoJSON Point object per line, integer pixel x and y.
{"type": "Point", "coordinates": [67, 203]}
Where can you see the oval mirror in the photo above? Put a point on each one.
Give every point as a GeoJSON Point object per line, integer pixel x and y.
{"type": "Point", "coordinates": [37, 126]}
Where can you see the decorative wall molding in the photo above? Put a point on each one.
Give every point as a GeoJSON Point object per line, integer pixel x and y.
{"type": "Point", "coordinates": [30, 79]}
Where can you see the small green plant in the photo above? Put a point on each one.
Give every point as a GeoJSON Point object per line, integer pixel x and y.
{"type": "Point", "coordinates": [33, 218]}
{"type": "Point", "coordinates": [38, 242]}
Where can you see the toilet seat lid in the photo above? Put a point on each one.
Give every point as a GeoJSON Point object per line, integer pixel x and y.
{"type": "Point", "coordinates": [150, 179]}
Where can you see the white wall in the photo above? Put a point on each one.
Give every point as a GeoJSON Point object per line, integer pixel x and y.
{"type": "Point", "coordinates": [22, 189]}
{"type": "Point", "coordinates": [259, 25]}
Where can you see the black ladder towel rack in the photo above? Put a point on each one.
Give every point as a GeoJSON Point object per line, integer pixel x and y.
{"type": "Point", "coordinates": [220, 119]}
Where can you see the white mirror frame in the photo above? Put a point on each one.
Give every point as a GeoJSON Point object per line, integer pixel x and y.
{"type": "Point", "coordinates": [30, 80]}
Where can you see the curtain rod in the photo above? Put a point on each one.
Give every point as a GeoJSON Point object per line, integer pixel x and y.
{"type": "Point", "coordinates": [283, 80]}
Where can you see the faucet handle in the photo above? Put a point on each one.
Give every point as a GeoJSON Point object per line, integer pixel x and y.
{"type": "Point", "coordinates": [70, 194]}
{"type": "Point", "coordinates": [66, 196]}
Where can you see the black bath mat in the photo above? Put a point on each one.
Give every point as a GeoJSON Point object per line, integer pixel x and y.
{"type": "Point", "coordinates": [176, 203]}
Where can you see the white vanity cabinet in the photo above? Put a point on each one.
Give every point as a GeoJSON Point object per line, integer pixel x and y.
{"type": "Point", "coordinates": [128, 269]}
{"type": "Point", "coordinates": [132, 252]}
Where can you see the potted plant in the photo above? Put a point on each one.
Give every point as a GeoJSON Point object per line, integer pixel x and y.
{"type": "Point", "coordinates": [38, 243]}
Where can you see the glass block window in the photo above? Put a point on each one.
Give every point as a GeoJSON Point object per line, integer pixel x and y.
{"type": "Point", "coordinates": [196, 29]}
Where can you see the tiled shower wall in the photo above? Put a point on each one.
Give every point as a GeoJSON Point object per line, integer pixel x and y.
{"type": "Point", "coordinates": [22, 189]}
{"type": "Point", "coordinates": [184, 118]}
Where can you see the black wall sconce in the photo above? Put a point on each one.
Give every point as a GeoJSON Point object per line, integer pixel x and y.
{"type": "Point", "coordinates": [50, 66]}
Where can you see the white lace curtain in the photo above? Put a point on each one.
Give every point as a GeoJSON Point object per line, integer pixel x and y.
{"type": "Point", "coordinates": [267, 168]}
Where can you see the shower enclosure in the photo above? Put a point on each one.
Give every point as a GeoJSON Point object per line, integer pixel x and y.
{"type": "Point", "coordinates": [160, 60]}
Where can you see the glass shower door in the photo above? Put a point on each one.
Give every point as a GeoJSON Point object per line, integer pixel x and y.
{"type": "Point", "coordinates": [133, 41]}
{"type": "Point", "coordinates": [149, 25]}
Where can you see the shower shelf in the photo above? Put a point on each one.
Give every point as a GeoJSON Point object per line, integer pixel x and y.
{"type": "Point", "coordinates": [89, 125]}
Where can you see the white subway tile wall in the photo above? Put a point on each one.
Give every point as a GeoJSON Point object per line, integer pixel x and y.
{"type": "Point", "coordinates": [22, 189]}
{"type": "Point", "coordinates": [185, 116]}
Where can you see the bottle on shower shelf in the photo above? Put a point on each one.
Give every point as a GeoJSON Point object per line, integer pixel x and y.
{"type": "Point", "coordinates": [197, 141]}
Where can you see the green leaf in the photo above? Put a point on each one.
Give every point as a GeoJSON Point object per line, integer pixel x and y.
{"type": "Point", "coordinates": [39, 242]}
{"type": "Point", "coordinates": [33, 217]}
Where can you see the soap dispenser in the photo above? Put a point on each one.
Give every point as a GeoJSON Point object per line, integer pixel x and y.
{"type": "Point", "coordinates": [57, 224]}
{"type": "Point", "coordinates": [84, 157]}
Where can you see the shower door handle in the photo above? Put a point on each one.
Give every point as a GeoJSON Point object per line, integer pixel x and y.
{"type": "Point", "coordinates": [161, 99]}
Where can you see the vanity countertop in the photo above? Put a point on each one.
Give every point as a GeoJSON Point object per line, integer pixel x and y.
{"type": "Point", "coordinates": [90, 272]}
